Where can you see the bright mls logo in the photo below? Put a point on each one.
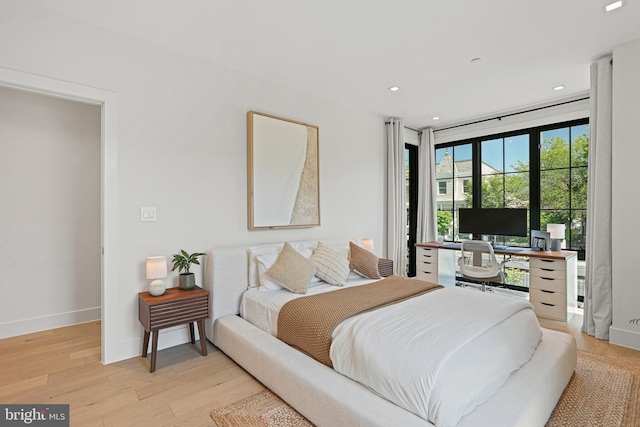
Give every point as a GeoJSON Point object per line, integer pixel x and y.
{"type": "Point", "coordinates": [34, 415]}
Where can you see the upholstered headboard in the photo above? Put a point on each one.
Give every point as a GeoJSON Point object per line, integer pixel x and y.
{"type": "Point", "coordinates": [227, 276]}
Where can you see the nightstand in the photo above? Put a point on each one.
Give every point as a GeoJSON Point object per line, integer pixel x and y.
{"type": "Point", "coordinates": [385, 267]}
{"type": "Point", "coordinates": [175, 307]}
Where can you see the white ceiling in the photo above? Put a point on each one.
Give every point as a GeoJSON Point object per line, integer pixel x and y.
{"type": "Point", "coordinates": [352, 51]}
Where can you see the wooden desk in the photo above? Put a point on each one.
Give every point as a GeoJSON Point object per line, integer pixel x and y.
{"type": "Point", "coordinates": [175, 307]}
{"type": "Point", "coordinates": [553, 284]}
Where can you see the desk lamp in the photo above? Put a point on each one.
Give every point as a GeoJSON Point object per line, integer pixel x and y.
{"type": "Point", "coordinates": [556, 233]}
{"type": "Point", "coordinates": [157, 269]}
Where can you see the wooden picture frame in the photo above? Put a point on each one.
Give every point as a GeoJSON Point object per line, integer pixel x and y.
{"type": "Point", "coordinates": [283, 163]}
{"type": "Point", "coordinates": [540, 240]}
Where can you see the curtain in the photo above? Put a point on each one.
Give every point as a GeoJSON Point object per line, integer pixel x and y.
{"type": "Point", "coordinates": [597, 293]}
{"type": "Point", "coordinates": [427, 197]}
{"type": "Point", "coordinates": [396, 197]}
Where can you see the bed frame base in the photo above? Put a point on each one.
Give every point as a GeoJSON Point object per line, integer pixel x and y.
{"type": "Point", "coordinates": [327, 398]}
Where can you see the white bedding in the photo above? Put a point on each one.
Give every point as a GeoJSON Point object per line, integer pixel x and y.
{"type": "Point", "coordinates": [443, 362]}
{"type": "Point", "coordinates": [261, 308]}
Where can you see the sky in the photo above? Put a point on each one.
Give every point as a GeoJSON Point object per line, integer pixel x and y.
{"type": "Point", "coordinates": [515, 148]}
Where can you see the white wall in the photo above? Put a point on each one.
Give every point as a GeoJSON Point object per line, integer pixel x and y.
{"type": "Point", "coordinates": [182, 147]}
{"type": "Point", "coordinates": [555, 113]}
{"type": "Point", "coordinates": [625, 203]}
{"type": "Point", "coordinates": [49, 212]}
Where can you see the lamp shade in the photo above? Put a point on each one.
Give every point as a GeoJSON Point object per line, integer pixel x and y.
{"type": "Point", "coordinates": [367, 243]}
{"type": "Point", "coordinates": [556, 231]}
{"type": "Point", "coordinates": [156, 267]}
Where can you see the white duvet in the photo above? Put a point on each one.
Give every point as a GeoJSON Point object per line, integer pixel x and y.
{"type": "Point", "coordinates": [438, 355]}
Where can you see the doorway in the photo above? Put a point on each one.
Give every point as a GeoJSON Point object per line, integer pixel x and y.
{"type": "Point", "coordinates": [107, 102]}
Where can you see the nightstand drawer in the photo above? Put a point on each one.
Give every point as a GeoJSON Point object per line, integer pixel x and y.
{"type": "Point", "coordinates": [178, 312]}
{"type": "Point", "coordinates": [542, 309]}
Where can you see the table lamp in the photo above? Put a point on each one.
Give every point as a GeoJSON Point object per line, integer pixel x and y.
{"type": "Point", "coordinates": [157, 269]}
{"type": "Point", "coordinates": [367, 243]}
{"type": "Point", "coordinates": [556, 234]}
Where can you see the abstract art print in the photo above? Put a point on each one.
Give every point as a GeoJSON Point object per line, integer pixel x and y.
{"type": "Point", "coordinates": [283, 173]}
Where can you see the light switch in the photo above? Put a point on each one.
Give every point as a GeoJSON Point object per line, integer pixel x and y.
{"type": "Point", "coordinates": [147, 214]}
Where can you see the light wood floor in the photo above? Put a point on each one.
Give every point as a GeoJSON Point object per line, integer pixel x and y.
{"type": "Point", "coordinates": [63, 366]}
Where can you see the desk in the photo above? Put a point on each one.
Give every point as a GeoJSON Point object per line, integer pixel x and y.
{"type": "Point", "coordinates": [553, 284]}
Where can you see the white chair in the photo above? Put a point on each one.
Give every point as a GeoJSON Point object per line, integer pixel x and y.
{"type": "Point", "coordinates": [478, 262]}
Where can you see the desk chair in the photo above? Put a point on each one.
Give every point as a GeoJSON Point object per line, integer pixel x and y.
{"type": "Point", "coordinates": [479, 262]}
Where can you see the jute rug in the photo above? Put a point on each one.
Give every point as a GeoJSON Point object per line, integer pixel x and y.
{"type": "Point", "coordinates": [603, 392]}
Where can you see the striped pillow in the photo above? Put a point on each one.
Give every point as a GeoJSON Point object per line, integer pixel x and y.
{"type": "Point", "coordinates": [332, 267]}
{"type": "Point", "coordinates": [363, 262]}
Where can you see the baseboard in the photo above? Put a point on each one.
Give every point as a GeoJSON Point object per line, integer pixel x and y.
{"type": "Point", "coordinates": [625, 338]}
{"type": "Point", "coordinates": [59, 320]}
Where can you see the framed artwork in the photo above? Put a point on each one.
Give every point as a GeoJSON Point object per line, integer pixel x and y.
{"type": "Point", "coordinates": [540, 240]}
{"type": "Point", "coordinates": [283, 173]}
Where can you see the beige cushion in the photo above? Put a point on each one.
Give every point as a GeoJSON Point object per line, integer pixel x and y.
{"type": "Point", "coordinates": [292, 270]}
{"type": "Point", "coordinates": [363, 262]}
{"type": "Point", "coordinates": [333, 267]}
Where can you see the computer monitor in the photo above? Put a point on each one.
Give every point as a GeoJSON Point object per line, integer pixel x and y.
{"type": "Point", "coordinates": [493, 221]}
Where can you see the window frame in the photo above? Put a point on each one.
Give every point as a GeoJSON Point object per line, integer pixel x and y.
{"type": "Point", "coordinates": [535, 154]}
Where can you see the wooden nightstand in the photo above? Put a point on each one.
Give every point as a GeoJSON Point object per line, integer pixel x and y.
{"type": "Point", "coordinates": [385, 267]}
{"type": "Point", "coordinates": [174, 307]}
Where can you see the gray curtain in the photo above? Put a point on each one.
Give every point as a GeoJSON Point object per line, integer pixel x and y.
{"type": "Point", "coordinates": [396, 198]}
{"type": "Point", "coordinates": [597, 298]}
{"type": "Point", "coordinates": [427, 197]}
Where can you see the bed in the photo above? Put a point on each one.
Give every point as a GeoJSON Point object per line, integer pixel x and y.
{"type": "Point", "coordinates": [328, 398]}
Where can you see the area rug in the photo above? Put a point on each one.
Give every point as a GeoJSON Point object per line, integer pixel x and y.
{"type": "Point", "coordinates": [263, 409]}
{"type": "Point", "coordinates": [603, 392]}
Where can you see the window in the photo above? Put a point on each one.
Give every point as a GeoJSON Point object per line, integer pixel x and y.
{"type": "Point", "coordinates": [543, 169]}
{"type": "Point", "coordinates": [442, 187]}
{"type": "Point", "coordinates": [411, 187]}
{"type": "Point", "coordinates": [453, 163]}
{"type": "Point", "coordinates": [466, 186]}
{"type": "Point", "coordinates": [563, 182]}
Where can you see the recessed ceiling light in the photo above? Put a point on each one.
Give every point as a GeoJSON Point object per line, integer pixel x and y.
{"type": "Point", "coordinates": [435, 118]}
{"type": "Point", "coordinates": [476, 60]}
{"type": "Point", "coordinates": [615, 5]}
{"type": "Point", "coordinates": [559, 87]}
{"type": "Point", "coordinates": [394, 88]}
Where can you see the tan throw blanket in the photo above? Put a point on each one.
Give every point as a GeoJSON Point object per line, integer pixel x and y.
{"type": "Point", "coordinates": [307, 323]}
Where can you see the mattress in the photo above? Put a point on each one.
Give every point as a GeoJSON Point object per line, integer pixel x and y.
{"type": "Point", "coordinates": [261, 308]}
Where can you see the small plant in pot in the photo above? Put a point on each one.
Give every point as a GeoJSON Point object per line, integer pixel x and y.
{"type": "Point", "coordinates": [183, 261]}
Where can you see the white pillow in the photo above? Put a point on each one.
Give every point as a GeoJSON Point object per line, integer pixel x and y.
{"type": "Point", "coordinates": [254, 253]}
{"type": "Point", "coordinates": [333, 267]}
{"type": "Point", "coordinates": [264, 263]}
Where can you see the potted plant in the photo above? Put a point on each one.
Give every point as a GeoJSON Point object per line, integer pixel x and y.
{"type": "Point", "coordinates": [183, 261]}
